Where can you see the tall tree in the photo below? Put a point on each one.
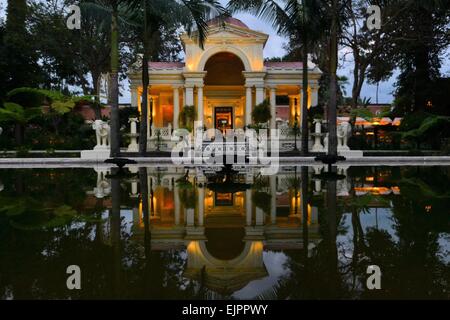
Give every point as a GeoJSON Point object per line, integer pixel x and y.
{"type": "Point", "coordinates": [420, 37]}
{"type": "Point", "coordinates": [112, 10]}
{"type": "Point", "coordinates": [332, 105]}
{"type": "Point", "coordinates": [299, 19]}
{"type": "Point", "coordinates": [19, 60]}
{"type": "Point", "coordinates": [366, 45]}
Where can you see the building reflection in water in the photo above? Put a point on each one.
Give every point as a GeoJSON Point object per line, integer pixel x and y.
{"type": "Point", "coordinates": [225, 231]}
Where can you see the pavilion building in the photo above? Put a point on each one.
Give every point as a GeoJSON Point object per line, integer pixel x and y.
{"type": "Point", "coordinates": [224, 81]}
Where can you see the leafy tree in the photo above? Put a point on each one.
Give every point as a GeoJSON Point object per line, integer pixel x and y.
{"type": "Point", "coordinates": [419, 37]}
{"type": "Point", "coordinates": [364, 113]}
{"type": "Point", "coordinates": [367, 45]}
{"type": "Point", "coordinates": [19, 116]}
{"type": "Point", "coordinates": [19, 61]}
{"type": "Point", "coordinates": [432, 127]}
{"type": "Point", "coordinates": [303, 20]}
{"type": "Point", "coordinates": [22, 106]}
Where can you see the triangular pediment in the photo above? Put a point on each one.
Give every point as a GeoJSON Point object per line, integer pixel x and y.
{"type": "Point", "coordinates": [226, 31]}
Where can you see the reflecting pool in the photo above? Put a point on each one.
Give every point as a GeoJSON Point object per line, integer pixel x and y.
{"type": "Point", "coordinates": [214, 233]}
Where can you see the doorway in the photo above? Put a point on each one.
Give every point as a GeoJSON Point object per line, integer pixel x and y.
{"type": "Point", "coordinates": [223, 118]}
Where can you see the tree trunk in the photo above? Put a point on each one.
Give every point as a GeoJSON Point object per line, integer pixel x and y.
{"type": "Point", "coordinates": [332, 105]}
{"type": "Point", "coordinates": [97, 108]}
{"type": "Point", "coordinates": [355, 91]}
{"type": "Point", "coordinates": [332, 234]}
{"type": "Point", "coordinates": [19, 132]}
{"type": "Point", "coordinates": [147, 234]}
{"type": "Point", "coordinates": [115, 230]}
{"type": "Point", "coordinates": [115, 124]}
{"type": "Point", "coordinates": [304, 199]}
{"type": "Point", "coordinates": [305, 128]}
{"type": "Point", "coordinates": [145, 83]}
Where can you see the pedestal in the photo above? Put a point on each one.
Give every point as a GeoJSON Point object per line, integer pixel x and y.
{"type": "Point", "coordinates": [317, 147]}
{"type": "Point", "coordinates": [100, 154]}
{"type": "Point", "coordinates": [133, 146]}
{"type": "Point", "coordinates": [351, 153]}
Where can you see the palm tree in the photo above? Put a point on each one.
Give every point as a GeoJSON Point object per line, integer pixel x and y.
{"type": "Point", "coordinates": [302, 18]}
{"type": "Point", "coordinates": [333, 60]}
{"type": "Point", "coordinates": [150, 16]}
{"type": "Point", "coordinates": [111, 10]}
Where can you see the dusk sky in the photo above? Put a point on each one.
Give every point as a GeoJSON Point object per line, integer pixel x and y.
{"type": "Point", "coordinates": [274, 48]}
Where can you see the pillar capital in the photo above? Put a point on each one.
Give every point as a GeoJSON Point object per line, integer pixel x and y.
{"type": "Point", "coordinates": [254, 78]}
{"type": "Point", "coordinates": [193, 79]}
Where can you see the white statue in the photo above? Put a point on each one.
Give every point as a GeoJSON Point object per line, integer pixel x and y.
{"type": "Point", "coordinates": [103, 188]}
{"type": "Point", "coordinates": [102, 132]}
{"type": "Point", "coordinates": [343, 188]}
{"type": "Point", "coordinates": [344, 131]}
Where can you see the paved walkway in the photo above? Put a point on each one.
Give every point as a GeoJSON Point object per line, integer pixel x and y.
{"type": "Point", "coordinates": [165, 161]}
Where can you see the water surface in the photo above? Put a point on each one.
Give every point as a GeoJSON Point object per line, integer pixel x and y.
{"type": "Point", "coordinates": [178, 233]}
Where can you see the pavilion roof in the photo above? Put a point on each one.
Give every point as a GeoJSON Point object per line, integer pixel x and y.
{"type": "Point", "coordinates": [283, 64]}
{"type": "Point", "coordinates": [229, 20]}
{"type": "Point", "coordinates": [166, 65]}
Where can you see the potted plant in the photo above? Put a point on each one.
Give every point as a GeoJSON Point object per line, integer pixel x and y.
{"type": "Point", "coordinates": [261, 114]}
{"type": "Point", "coordinates": [187, 117]}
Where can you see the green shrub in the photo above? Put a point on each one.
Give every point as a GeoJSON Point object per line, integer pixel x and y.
{"type": "Point", "coordinates": [261, 112]}
{"type": "Point", "coordinates": [187, 117]}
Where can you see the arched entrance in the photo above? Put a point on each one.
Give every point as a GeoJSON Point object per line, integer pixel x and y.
{"type": "Point", "coordinates": [224, 84]}
{"type": "Point", "coordinates": [224, 69]}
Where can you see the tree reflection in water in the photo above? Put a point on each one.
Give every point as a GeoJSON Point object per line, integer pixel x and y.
{"type": "Point", "coordinates": [300, 241]}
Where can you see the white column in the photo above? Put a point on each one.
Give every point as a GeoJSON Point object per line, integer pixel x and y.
{"type": "Point", "coordinates": [291, 110]}
{"type": "Point", "coordinates": [149, 115]}
{"type": "Point", "coordinates": [259, 95]}
{"type": "Point", "coordinates": [190, 219]}
{"type": "Point", "coordinates": [248, 207]}
{"type": "Point", "coordinates": [314, 96]}
{"type": "Point", "coordinates": [200, 114]}
{"type": "Point", "coordinates": [134, 97]}
{"type": "Point", "coordinates": [201, 202]}
{"type": "Point", "coordinates": [248, 105]}
{"type": "Point", "coordinates": [273, 202]}
{"type": "Point", "coordinates": [299, 98]}
{"type": "Point", "coordinates": [176, 201]}
{"type": "Point", "coordinates": [273, 107]}
{"type": "Point", "coordinates": [133, 146]}
{"type": "Point", "coordinates": [176, 106]}
{"type": "Point", "coordinates": [189, 95]}
{"type": "Point", "coordinates": [259, 217]}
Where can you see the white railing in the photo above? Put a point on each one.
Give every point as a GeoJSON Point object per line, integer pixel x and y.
{"type": "Point", "coordinates": [164, 133]}
{"type": "Point", "coordinates": [164, 138]}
